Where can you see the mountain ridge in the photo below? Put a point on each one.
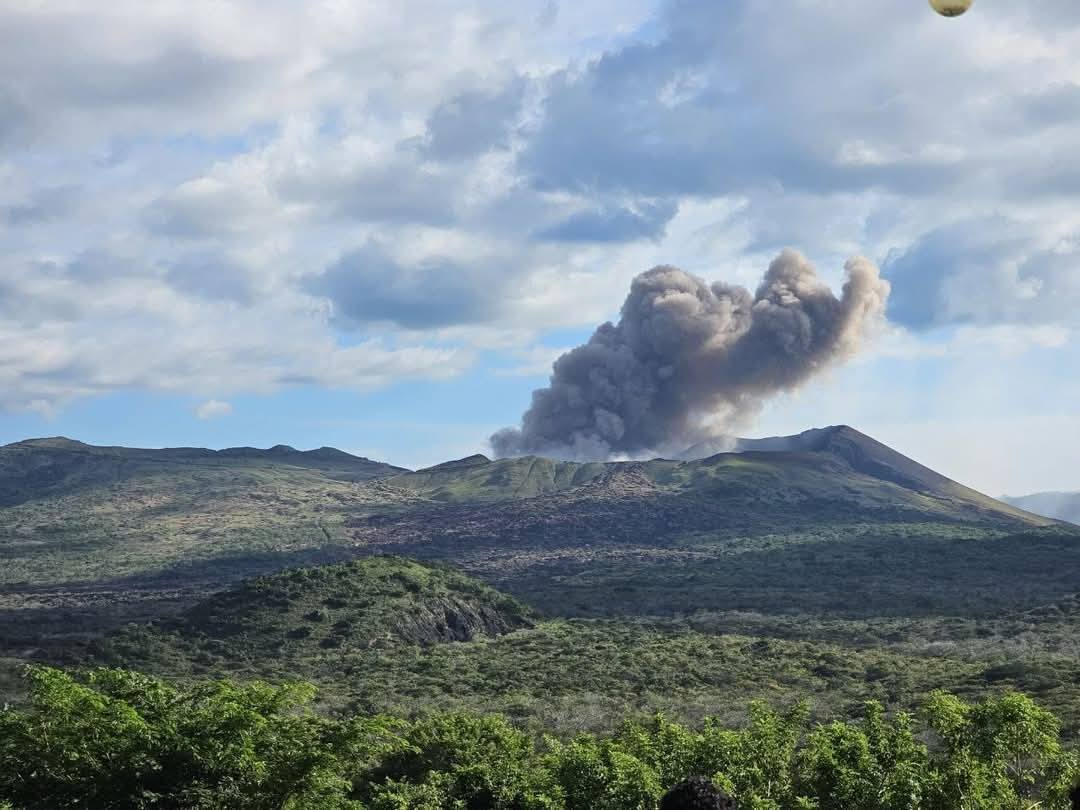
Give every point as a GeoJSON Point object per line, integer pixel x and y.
{"type": "Point", "coordinates": [36, 468]}
{"type": "Point", "coordinates": [1063, 506]}
{"type": "Point", "coordinates": [478, 478]}
{"type": "Point", "coordinates": [277, 451]}
{"type": "Point", "coordinates": [40, 463]}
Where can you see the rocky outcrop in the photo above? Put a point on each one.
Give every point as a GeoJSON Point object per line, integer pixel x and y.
{"type": "Point", "coordinates": [455, 619]}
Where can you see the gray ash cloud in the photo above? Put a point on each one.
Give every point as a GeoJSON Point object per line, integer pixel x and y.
{"type": "Point", "coordinates": [688, 360]}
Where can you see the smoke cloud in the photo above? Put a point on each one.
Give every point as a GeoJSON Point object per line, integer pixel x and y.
{"type": "Point", "coordinates": [687, 360]}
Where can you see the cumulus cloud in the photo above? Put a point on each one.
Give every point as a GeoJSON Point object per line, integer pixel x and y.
{"type": "Point", "coordinates": [368, 285]}
{"type": "Point", "coordinates": [64, 336]}
{"type": "Point", "coordinates": [180, 67]}
{"type": "Point", "coordinates": [985, 271]}
{"type": "Point", "coordinates": [213, 409]}
{"type": "Point", "coordinates": [687, 360]}
{"type": "Point", "coordinates": [731, 96]}
{"type": "Point", "coordinates": [213, 277]}
{"type": "Point", "coordinates": [209, 207]}
{"type": "Point", "coordinates": [258, 177]}
{"type": "Point", "coordinates": [624, 223]}
{"type": "Point", "coordinates": [230, 151]}
{"type": "Point", "coordinates": [471, 123]}
{"type": "Point", "coordinates": [42, 205]}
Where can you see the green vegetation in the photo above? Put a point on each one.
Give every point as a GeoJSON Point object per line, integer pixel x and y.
{"type": "Point", "coordinates": [71, 514]}
{"type": "Point", "coordinates": [478, 479]}
{"type": "Point", "coordinates": [118, 739]}
{"type": "Point", "coordinates": [377, 604]}
{"type": "Point", "coordinates": [373, 634]}
{"type": "Point", "coordinates": [840, 575]}
{"type": "Point", "coordinates": [853, 570]}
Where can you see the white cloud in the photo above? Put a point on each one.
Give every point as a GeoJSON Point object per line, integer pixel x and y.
{"type": "Point", "coordinates": [533, 362]}
{"type": "Point", "coordinates": [176, 174]}
{"type": "Point", "coordinates": [213, 409]}
{"type": "Point", "coordinates": [65, 336]}
{"type": "Point", "coordinates": [1009, 340]}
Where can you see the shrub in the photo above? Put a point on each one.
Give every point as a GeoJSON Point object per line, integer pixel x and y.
{"type": "Point", "coordinates": [111, 738]}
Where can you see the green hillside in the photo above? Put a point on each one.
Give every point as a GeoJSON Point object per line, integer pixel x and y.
{"type": "Point", "coordinates": [71, 512]}
{"type": "Point", "coordinates": [391, 635]}
{"type": "Point", "coordinates": [108, 518]}
{"type": "Point", "coordinates": [827, 566]}
{"type": "Point", "coordinates": [375, 604]}
{"type": "Point", "coordinates": [39, 468]}
{"type": "Point", "coordinates": [479, 479]}
{"type": "Point", "coordinates": [834, 467]}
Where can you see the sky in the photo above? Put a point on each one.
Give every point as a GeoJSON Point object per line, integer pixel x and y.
{"type": "Point", "coordinates": [375, 225]}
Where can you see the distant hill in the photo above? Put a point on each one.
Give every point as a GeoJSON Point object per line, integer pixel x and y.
{"type": "Point", "coordinates": [74, 513]}
{"type": "Point", "coordinates": [1057, 505]}
{"type": "Point", "coordinates": [835, 469]}
{"type": "Point", "coordinates": [38, 468]}
{"type": "Point", "coordinates": [290, 617]}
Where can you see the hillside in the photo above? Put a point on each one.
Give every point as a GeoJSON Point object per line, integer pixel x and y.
{"type": "Point", "coordinates": [1056, 505]}
{"type": "Point", "coordinates": [289, 617]}
{"type": "Point", "coordinates": [39, 468]}
{"type": "Point", "coordinates": [835, 467]}
{"type": "Point", "coordinates": [658, 536]}
{"type": "Point", "coordinates": [830, 527]}
{"type": "Point", "coordinates": [79, 514]}
{"type": "Point", "coordinates": [390, 635]}
{"type": "Point", "coordinates": [478, 479]}
{"type": "Point", "coordinates": [75, 512]}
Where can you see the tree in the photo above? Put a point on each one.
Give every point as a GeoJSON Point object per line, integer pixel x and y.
{"type": "Point", "coordinates": [998, 754]}
{"type": "Point", "coordinates": [116, 739]}
{"type": "Point", "coordinates": [462, 760]}
{"type": "Point", "coordinates": [875, 765]}
{"type": "Point", "coordinates": [599, 775]}
{"type": "Point", "coordinates": [755, 764]}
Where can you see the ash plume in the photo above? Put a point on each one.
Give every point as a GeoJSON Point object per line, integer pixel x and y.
{"type": "Point", "coordinates": [689, 360]}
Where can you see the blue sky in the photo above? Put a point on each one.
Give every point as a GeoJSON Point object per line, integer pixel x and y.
{"type": "Point", "coordinates": [375, 225]}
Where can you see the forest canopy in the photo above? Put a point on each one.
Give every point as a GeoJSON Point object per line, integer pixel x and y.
{"type": "Point", "coordinates": [111, 738]}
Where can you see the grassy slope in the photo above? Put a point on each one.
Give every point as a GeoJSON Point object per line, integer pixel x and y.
{"type": "Point", "coordinates": [39, 468]}
{"type": "Point", "coordinates": [74, 513]}
{"type": "Point", "coordinates": [477, 479]}
{"type": "Point", "coordinates": [70, 513]}
{"type": "Point", "coordinates": [848, 468]}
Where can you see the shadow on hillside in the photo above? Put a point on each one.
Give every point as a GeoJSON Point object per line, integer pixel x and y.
{"type": "Point", "coordinates": [855, 578]}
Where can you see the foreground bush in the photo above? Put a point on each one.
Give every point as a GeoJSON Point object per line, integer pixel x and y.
{"type": "Point", "coordinates": [116, 739]}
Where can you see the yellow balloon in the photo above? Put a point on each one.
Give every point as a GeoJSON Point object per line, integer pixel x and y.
{"type": "Point", "coordinates": [951, 8]}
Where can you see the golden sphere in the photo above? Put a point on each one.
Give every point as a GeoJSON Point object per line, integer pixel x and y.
{"type": "Point", "coordinates": [951, 8]}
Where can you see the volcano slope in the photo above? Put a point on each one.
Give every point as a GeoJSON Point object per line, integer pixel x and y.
{"type": "Point", "coordinates": [844, 524]}
{"type": "Point", "coordinates": [829, 538]}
